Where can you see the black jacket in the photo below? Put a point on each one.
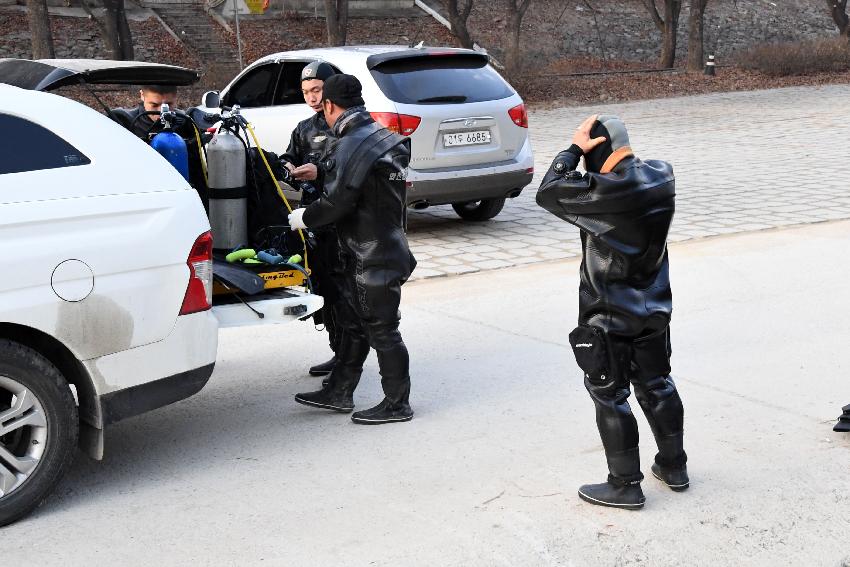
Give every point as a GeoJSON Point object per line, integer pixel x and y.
{"type": "Point", "coordinates": [308, 144]}
{"type": "Point", "coordinates": [624, 217]}
{"type": "Point", "coordinates": [140, 124]}
{"type": "Point", "coordinates": [365, 196]}
{"type": "Point", "coordinates": [136, 121]}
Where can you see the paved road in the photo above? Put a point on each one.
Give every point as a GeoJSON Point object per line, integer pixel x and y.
{"type": "Point", "coordinates": [743, 161]}
{"type": "Point", "coordinates": [486, 474]}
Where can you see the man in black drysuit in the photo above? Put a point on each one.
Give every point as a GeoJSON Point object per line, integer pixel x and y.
{"type": "Point", "coordinates": [151, 99]}
{"type": "Point", "coordinates": [365, 196]}
{"type": "Point", "coordinates": [143, 121]}
{"type": "Point", "coordinates": [306, 146]}
{"type": "Point", "coordinates": [623, 207]}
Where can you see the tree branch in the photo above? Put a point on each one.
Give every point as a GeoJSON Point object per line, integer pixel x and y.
{"type": "Point", "coordinates": [653, 11]}
{"type": "Point", "coordinates": [596, 25]}
{"type": "Point", "coordinates": [467, 9]}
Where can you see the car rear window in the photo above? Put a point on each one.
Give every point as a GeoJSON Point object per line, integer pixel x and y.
{"type": "Point", "coordinates": [26, 146]}
{"type": "Point", "coordinates": [440, 80]}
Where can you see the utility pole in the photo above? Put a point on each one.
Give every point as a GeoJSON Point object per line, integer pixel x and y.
{"type": "Point", "coordinates": [238, 37]}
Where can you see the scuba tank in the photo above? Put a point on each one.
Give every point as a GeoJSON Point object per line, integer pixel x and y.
{"type": "Point", "coordinates": [171, 146]}
{"type": "Point", "coordinates": [228, 194]}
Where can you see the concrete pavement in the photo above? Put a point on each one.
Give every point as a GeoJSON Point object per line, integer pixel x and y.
{"type": "Point", "coordinates": [744, 161]}
{"type": "Point", "coordinates": [486, 473]}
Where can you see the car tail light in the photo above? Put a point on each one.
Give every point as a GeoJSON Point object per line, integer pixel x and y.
{"type": "Point", "coordinates": [199, 291]}
{"type": "Point", "coordinates": [403, 124]}
{"type": "Point", "coordinates": [519, 115]}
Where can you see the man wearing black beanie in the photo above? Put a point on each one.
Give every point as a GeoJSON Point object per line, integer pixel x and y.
{"type": "Point", "coordinates": [623, 207]}
{"type": "Point", "coordinates": [365, 197]}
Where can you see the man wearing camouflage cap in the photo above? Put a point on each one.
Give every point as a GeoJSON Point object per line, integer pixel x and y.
{"type": "Point", "coordinates": [306, 147]}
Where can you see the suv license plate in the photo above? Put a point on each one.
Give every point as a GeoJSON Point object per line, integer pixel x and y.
{"type": "Point", "coordinates": [466, 138]}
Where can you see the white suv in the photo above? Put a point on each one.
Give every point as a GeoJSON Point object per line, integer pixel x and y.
{"type": "Point", "coordinates": [467, 126]}
{"type": "Point", "coordinates": [106, 292]}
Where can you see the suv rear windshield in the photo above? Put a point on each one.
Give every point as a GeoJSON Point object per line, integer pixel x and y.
{"type": "Point", "coordinates": [440, 80]}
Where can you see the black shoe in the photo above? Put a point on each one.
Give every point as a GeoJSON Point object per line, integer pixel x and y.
{"type": "Point", "coordinates": [326, 399]}
{"type": "Point", "coordinates": [676, 479]}
{"type": "Point", "coordinates": [385, 412]}
{"type": "Point", "coordinates": [324, 368]}
{"type": "Point", "coordinates": [843, 424]}
{"type": "Point", "coordinates": [629, 497]}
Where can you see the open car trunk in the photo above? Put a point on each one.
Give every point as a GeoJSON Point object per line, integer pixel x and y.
{"type": "Point", "coordinates": [51, 74]}
{"type": "Point", "coordinates": [275, 297]}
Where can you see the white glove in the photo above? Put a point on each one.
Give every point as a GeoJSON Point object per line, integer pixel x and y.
{"type": "Point", "coordinates": [295, 219]}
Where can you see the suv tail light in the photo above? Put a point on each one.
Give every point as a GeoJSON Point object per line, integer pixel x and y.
{"type": "Point", "coordinates": [519, 115]}
{"type": "Point", "coordinates": [403, 124]}
{"type": "Point", "coordinates": [199, 291]}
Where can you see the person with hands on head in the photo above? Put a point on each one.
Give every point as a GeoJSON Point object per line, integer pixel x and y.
{"type": "Point", "coordinates": [365, 197]}
{"type": "Point", "coordinates": [623, 207]}
{"type": "Point", "coordinates": [306, 147]}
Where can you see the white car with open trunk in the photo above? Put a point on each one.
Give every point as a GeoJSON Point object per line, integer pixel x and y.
{"type": "Point", "coordinates": [106, 296]}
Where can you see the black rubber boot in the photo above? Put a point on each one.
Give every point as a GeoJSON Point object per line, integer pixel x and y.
{"type": "Point", "coordinates": [623, 487]}
{"type": "Point", "coordinates": [843, 424]}
{"type": "Point", "coordinates": [338, 388]}
{"type": "Point", "coordinates": [324, 368]}
{"type": "Point", "coordinates": [385, 412]}
{"type": "Point", "coordinates": [628, 497]}
{"type": "Point", "coordinates": [677, 479]}
{"type": "Point", "coordinates": [328, 398]}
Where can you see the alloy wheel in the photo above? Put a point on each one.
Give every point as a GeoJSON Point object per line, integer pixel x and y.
{"type": "Point", "coordinates": [23, 434]}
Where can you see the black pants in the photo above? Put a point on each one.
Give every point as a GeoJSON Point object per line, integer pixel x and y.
{"type": "Point", "coordinates": [368, 316]}
{"type": "Point", "coordinates": [613, 362]}
{"type": "Point", "coordinates": [327, 280]}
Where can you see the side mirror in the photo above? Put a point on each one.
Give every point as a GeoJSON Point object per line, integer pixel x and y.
{"type": "Point", "coordinates": [211, 99]}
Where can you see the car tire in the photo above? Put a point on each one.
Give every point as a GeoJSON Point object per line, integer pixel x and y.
{"type": "Point", "coordinates": [482, 210]}
{"type": "Point", "coordinates": [40, 447]}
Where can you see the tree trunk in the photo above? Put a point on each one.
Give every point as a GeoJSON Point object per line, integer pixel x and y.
{"type": "Point", "coordinates": [113, 29]}
{"type": "Point", "coordinates": [668, 26]}
{"type": "Point", "coordinates": [513, 56]}
{"type": "Point", "coordinates": [458, 16]}
{"type": "Point", "coordinates": [336, 17]}
{"type": "Point", "coordinates": [695, 38]}
{"type": "Point", "coordinates": [40, 34]}
{"type": "Point", "coordinates": [672, 9]}
{"type": "Point", "coordinates": [838, 11]}
{"type": "Point", "coordinates": [125, 37]}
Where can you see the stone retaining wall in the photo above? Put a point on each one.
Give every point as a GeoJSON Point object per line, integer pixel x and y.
{"type": "Point", "coordinates": [629, 33]}
{"type": "Point", "coordinates": [78, 37]}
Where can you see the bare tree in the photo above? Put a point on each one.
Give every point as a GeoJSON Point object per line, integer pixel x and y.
{"type": "Point", "coordinates": [838, 11]}
{"type": "Point", "coordinates": [516, 11]}
{"type": "Point", "coordinates": [113, 27]}
{"type": "Point", "coordinates": [336, 17]}
{"type": "Point", "coordinates": [668, 27]}
{"type": "Point", "coordinates": [458, 15]}
{"type": "Point", "coordinates": [40, 34]}
{"type": "Point", "coordinates": [695, 38]}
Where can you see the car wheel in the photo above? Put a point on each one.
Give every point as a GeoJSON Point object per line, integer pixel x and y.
{"type": "Point", "coordinates": [482, 210]}
{"type": "Point", "coordinates": [38, 429]}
